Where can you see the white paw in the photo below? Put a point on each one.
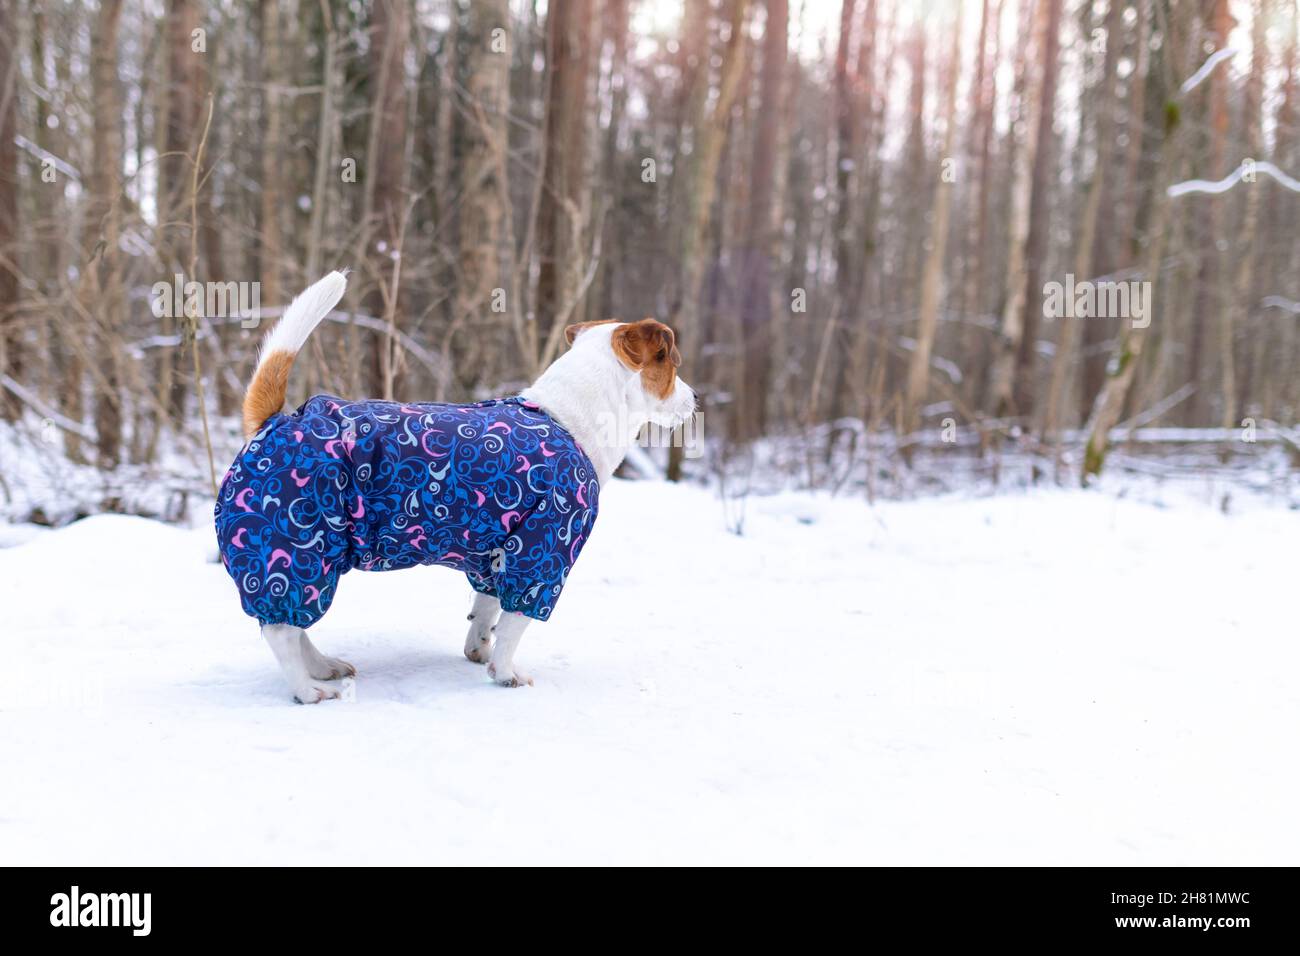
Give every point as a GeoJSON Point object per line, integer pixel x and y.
{"type": "Point", "coordinates": [330, 668]}
{"type": "Point", "coordinates": [511, 679]}
{"type": "Point", "coordinates": [480, 652]}
{"type": "Point", "coordinates": [315, 691]}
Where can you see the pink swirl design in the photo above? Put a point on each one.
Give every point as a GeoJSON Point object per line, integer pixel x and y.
{"type": "Point", "coordinates": [500, 479]}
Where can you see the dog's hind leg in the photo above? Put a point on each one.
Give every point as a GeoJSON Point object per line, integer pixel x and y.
{"type": "Point", "coordinates": [482, 616]}
{"type": "Point", "coordinates": [321, 667]}
{"type": "Point", "coordinates": [287, 644]}
{"type": "Point", "coordinates": [508, 631]}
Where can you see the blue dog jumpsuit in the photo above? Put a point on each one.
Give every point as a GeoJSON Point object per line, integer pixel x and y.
{"type": "Point", "coordinates": [498, 490]}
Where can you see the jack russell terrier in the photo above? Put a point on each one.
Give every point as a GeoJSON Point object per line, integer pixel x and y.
{"type": "Point", "coordinates": [505, 490]}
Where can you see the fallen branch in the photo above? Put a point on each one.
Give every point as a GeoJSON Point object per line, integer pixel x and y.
{"type": "Point", "coordinates": [1280, 302]}
{"type": "Point", "coordinates": [1230, 180]}
{"type": "Point", "coordinates": [1195, 80]}
{"type": "Point", "coordinates": [34, 403]}
{"type": "Point", "coordinates": [1159, 408]}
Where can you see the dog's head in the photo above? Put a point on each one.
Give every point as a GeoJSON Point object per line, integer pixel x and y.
{"type": "Point", "coordinates": [647, 350]}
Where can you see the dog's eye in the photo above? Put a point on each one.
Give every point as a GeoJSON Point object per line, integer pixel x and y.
{"type": "Point", "coordinates": [663, 353]}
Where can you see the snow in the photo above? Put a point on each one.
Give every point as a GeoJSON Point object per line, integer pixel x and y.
{"type": "Point", "coordinates": [1247, 167]}
{"type": "Point", "coordinates": [1051, 677]}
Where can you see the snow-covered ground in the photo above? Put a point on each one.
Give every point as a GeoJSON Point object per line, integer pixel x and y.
{"type": "Point", "coordinates": [1047, 677]}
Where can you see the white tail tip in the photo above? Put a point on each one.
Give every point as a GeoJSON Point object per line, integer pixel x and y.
{"type": "Point", "coordinates": [304, 314]}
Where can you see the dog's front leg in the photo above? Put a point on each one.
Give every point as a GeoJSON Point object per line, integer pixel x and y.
{"type": "Point", "coordinates": [508, 631]}
{"type": "Point", "coordinates": [287, 643]}
{"type": "Point", "coordinates": [482, 616]}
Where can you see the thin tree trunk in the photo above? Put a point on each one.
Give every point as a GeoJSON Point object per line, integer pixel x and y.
{"type": "Point", "coordinates": [710, 133]}
{"type": "Point", "coordinates": [915, 202]}
{"type": "Point", "coordinates": [1038, 241]}
{"type": "Point", "coordinates": [386, 181]}
{"type": "Point", "coordinates": [274, 155]}
{"type": "Point", "coordinates": [1067, 345]}
{"type": "Point", "coordinates": [616, 18]}
{"type": "Point", "coordinates": [1095, 332]}
{"type": "Point", "coordinates": [183, 101]}
{"type": "Point", "coordinates": [102, 280]}
{"type": "Point", "coordinates": [846, 113]}
{"type": "Point", "coordinates": [1208, 300]}
{"type": "Point", "coordinates": [918, 373]}
{"type": "Point", "coordinates": [325, 139]}
{"type": "Point", "coordinates": [484, 142]}
{"type": "Point", "coordinates": [1137, 134]}
{"type": "Point", "coordinates": [11, 353]}
{"type": "Point", "coordinates": [559, 212]}
{"type": "Point", "coordinates": [761, 227]}
{"type": "Point", "coordinates": [985, 90]}
{"type": "Point", "coordinates": [1122, 366]}
{"type": "Point", "coordinates": [1002, 376]}
{"type": "Point", "coordinates": [1234, 314]}
{"type": "Point", "coordinates": [869, 171]}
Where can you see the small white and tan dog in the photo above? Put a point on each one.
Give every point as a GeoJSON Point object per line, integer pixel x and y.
{"type": "Point", "coordinates": [616, 378]}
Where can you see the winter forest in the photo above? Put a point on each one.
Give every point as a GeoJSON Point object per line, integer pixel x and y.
{"type": "Point", "coordinates": [974, 543]}
{"type": "Point", "coordinates": [853, 213]}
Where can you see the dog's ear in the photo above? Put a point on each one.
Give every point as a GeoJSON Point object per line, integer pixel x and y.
{"type": "Point", "coordinates": [571, 332]}
{"type": "Point", "coordinates": [645, 343]}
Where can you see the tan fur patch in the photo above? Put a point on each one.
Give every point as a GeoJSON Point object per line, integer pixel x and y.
{"type": "Point", "coordinates": [265, 395]}
{"type": "Point", "coordinates": [651, 347]}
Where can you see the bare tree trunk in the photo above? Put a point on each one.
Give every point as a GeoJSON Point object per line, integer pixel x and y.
{"type": "Point", "coordinates": [11, 353]}
{"type": "Point", "coordinates": [844, 225]}
{"type": "Point", "coordinates": [1275, 385]}
{"type": "Point", "coordinates": [985, 90]}
{"type": "Point", "coordinates": [789, 180]}
{"type": "Point", "coordinates": [710, 133]}
{"type": "Point", "coordinates": [918, 373]}
{"type": "Point", "coordinates": [484, 143]}
{"type": "Point", "coordinates": [321, 206]}
{"type": "Point", "coordinates": [1236, 311]}
{"type": "Point", "coordinates": [915, 203]}
{"type": "Point", "coordinates": [1002, 376]}
{"type": "Point", "coordinates": [180, 138]}
{"type": "Point", "coordinates": [325, 140]}
{"type": "Point", "coordinates": [862, 311]}
{"type": "Point", "coordinates": [386, 180]}
{"type": "Point", "coordinates": [761, 227]}
{"type": "Point", "coordinates": [1067, 345]}
{"type": "Point", "coordinates": [611, 264]}
{"type": "Point", "coordinates": [274, 155]}
{"type": "Point", "coordinates": [101, 284]}
{"type": "Point", "coordinates": [1137, 135]}
{"type": "Point", "coordinates": [47, 268]}
{"type": "Point", "coordinates": [214, 64]}
{"type": "Point", "coordinates": [846, 114]}
{"type": "Point", "coordinates": [1208, 302]}
{"type": "Point", "coordinates": [559, 212]}
{"type": "Point", "coordinates": [1095, 332]}
{"type": "Point", "coordinates": [1038, 241]}
{"type": "Point", "coordinates": [1122, 366]}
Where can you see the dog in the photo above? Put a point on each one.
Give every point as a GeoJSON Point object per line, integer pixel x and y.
{"type": "Point", "coordinates": [505, 491]}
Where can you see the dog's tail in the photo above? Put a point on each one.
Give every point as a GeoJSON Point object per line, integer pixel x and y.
{"type": "Point", "coordinates": [265, 395]}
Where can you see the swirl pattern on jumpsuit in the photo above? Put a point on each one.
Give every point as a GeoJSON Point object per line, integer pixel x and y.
{"type": "Point", "coordinates": [497, 489]}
